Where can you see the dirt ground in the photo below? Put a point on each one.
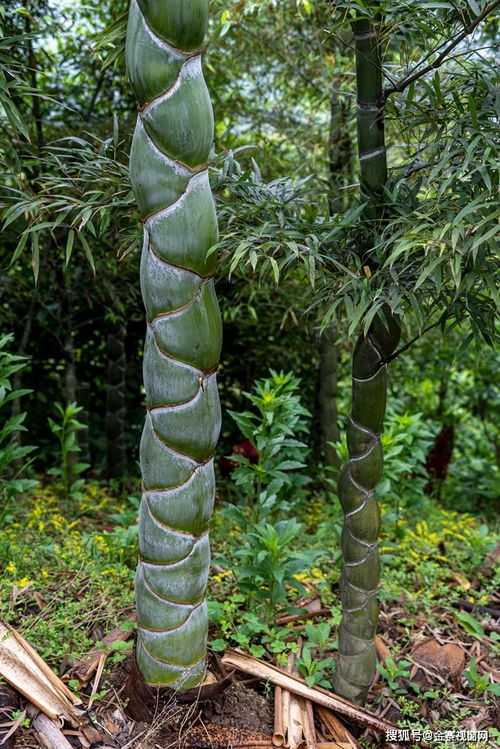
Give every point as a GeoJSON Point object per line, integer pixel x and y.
{"type": "Point", "coordinates": [241, 716]}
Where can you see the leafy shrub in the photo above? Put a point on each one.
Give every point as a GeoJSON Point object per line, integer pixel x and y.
{"type": "Point", "coordinates": [274, 482]}
{"type": "Point", "coordinates": [268, 564]}
{"type": "Point", "coordinates": [11, 451]}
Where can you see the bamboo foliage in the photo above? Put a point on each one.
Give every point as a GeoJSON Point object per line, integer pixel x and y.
{"type": "Point", "coordinates": [170, 148]}
{"type": "Point", "coordinates": [359, 477]}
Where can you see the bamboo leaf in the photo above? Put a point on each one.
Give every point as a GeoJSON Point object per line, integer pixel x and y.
{"type": "Point", "coordinates": [87, 251]}
{"type": "Point", "coordinates": [427, 272]}
{"type": "Point", "coordinates": [35, 258]}
{"type": "Point", "coordinates": [69, 245]}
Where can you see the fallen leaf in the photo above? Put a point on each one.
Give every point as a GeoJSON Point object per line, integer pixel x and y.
{"type": "Point", "coordinates": [460, 579]}
{"type": "Point", "coordinates": [448, 660]}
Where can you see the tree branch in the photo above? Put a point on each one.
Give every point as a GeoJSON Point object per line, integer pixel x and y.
{"type": "Point", "coordinates": [417, 337]}
{"type": "Point", "coordinates": [405, 82]}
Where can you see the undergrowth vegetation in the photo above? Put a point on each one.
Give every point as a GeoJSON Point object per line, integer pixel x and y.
{"type": "Point", "coordinates": [68, 555]}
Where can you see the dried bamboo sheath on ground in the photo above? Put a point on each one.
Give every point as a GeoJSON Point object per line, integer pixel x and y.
{"type": "Point", "coordinates": [169, 175]}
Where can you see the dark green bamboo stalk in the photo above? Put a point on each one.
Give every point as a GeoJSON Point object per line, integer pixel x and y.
{"type": "Point", "coordinates": [168, 165]}
{"type": "Point", "coordinates": [363, 470]}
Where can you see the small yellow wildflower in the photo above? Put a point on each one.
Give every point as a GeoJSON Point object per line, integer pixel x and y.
{"type": "Point", "coordinates": [23, 582]}
{"type": "Point", "coordinates": [99, 543]}
{"type": "Point", "coordinates": [316, 572]}
{"type": "Point", "coordinates": [221, 575]}
{"type": "Point", "coordinates": [11, 567]}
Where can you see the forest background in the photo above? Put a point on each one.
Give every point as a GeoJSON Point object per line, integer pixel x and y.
{"type": "Point", "coordinates": [293, 296]}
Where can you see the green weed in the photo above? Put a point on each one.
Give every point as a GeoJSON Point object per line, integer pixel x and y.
{"type": "Point", "coordinates": [11, 451]}
{"type": "Point", "coordinates": [66, 432]}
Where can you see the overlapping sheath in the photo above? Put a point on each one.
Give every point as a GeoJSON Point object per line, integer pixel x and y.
{"type": "Point", "coordinates": [169, 176]}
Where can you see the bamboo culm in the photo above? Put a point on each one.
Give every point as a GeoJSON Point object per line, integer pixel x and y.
{"type": "Point", "coordinates": [363, 470]}
{"type": "Point", "coordinates": [168, 168]}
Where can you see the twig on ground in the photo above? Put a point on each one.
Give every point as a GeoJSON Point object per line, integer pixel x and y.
{"type": "Point", "coordinates": [100, 668]}
{"type": "Point", "coordinates": [48, 730]}
{"type": "Point", "coordinates": [87, 665]}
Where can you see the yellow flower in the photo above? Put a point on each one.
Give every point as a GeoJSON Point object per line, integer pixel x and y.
{"type": "Point", "coordinates": [11, 567]}
{"type": "Point", "coordinates": [99, 543]}
{"type": "Point", "coordinates": [221, 575]}
{"type": "Point", "coordinates": [316, 572]}
{"type": "Point", "coordinates": [23, 582]}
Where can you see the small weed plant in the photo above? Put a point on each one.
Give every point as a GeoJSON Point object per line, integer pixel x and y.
{"type": "Point", "coordinates": [393, 671]}
{"type": "Point", "coordinates": [480, 684]}
{"type": "Point", "coordinates": [244, 629]}
{"type": "Point", "coordinates": [312, 663]}
{"type": "Point", "coordinates": [69, 469]}
{"type": "Point", "coordinates": [11, 451]}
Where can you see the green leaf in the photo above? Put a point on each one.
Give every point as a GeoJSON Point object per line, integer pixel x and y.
{"type": "Point", "coordinates": [427, 272]}
{"type": "Point", "coordinates": [69, 245]}
{"type": "Point", "coordinates": [120, 646]}
{"type": "Point", "coordinates": [19, 247]}
{"type": "Point", "coordinates": [87, 250]}
{"type": "Point", "coordinates": [470, 624]}
{"type": "Point", "coordinates": [35, 260]}
{"type": "Point", "coordinates": [218, 644]}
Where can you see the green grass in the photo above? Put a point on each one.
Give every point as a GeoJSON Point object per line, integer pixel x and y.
{"type": "Point", "coordinates": [62, 579]}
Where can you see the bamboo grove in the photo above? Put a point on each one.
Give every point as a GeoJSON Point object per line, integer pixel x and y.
{"type": "Point", "coordinates": [168, 166]}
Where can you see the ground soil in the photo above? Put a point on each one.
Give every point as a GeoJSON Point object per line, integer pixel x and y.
{"type": "Point", "coordinates": [242, 715]}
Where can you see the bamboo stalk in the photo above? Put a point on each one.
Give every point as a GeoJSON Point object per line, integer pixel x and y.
{"type": "Point", "coordinates": [279, 736]}
{"type": "Point", "coordinates": [49, 733]}
{"type": "Point", "coordinates": [308, 725]}
{"type": "Point", "coordinates": [296, 685]}
{"type": "Point", "coordinates": [295, 730]}
{"type": "Point", "coordinates": [169, 177]}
